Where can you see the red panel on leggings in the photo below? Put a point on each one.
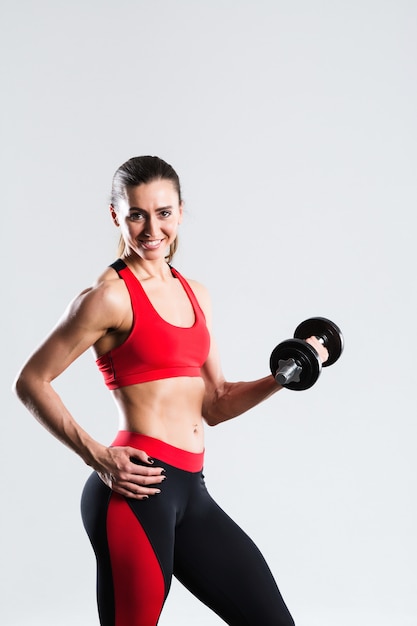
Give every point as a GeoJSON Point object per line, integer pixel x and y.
{"type": "Point", "coordinates": [139, 592]}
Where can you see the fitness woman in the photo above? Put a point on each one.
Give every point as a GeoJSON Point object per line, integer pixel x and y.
{"type": "Point", "coordinates": [145, 507]}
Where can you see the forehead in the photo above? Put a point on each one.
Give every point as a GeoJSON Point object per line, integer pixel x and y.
{"type": "Point", "coordinates": [159, 192]}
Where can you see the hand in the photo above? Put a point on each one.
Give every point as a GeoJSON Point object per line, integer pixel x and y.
{"type": "Point", "coordinates": [319, 348]}
{"type": "Point", "coordinates": [118, 468]}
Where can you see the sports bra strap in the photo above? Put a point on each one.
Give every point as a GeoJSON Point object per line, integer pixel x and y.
{"type": "Point", "coordinates": [118, 265]}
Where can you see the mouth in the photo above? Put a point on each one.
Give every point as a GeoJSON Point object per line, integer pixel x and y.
{"type": "Point", "coordinates": [151, 245]}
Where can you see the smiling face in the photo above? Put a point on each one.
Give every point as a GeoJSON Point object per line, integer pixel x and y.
{"type": "Point", "coordinates": [148, 217]}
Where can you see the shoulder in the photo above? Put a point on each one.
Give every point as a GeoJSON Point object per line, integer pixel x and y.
{"type": "Point", "coordinates": [108, 275]}
{"type": "Point", "coordinates": [105, 300]}
{"type": "Point", "coordinates": [200, 290]}
{"type": "Point", "coordinates": [202, 295]}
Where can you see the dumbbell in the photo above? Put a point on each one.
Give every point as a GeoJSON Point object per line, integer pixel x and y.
{"type": "Point", "coordinates": [295, 364]}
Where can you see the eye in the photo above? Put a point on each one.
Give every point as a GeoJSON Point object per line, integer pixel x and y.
{"type": "Point", "coordinates": [135, 216]}
{"type": "Point", "coordinates": [165, 213]}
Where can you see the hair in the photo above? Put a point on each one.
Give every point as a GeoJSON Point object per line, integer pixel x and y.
{"type": "Point", "coordinates": [139, 171]}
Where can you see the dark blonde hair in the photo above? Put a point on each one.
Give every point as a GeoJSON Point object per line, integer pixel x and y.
{"type": "Point", "coordinates": [138, 171]}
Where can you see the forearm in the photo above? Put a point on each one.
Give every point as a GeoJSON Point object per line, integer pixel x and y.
{"type": "Point", "coordinates": [46, 406]}
{"type": "Point", "coordinates": [232, 399]}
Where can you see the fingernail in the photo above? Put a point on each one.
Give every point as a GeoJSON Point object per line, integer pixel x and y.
{"type": "Point", "coordinates": [150, 460]}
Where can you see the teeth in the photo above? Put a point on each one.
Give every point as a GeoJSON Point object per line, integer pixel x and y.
{"type": "Point", "coordinates": [152, 244]}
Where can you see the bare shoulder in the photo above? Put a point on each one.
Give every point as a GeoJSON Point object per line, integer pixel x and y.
{"type": "Point", "coordinates": [200, 290]}
{"type": "Point", "coordinates": [202, 295]}
{"type": "Point", "coordinates": [109, 274]}
{"type": "Point", "coordinates": [106, 301]}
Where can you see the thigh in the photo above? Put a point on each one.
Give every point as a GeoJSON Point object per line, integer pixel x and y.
{"type": "Point", "coordinates": [222, 566]}
{"type": "Point", "coordinates": [133, 542]}
{"type": "Point", "coordinates": [94, 505]}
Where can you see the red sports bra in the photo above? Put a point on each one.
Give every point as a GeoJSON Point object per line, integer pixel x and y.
{"type": "Point", "coordinates": [155, 348]}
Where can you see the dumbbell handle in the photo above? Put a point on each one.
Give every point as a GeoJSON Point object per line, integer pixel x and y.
{"type": "Point", "coordinates": [288, 372]}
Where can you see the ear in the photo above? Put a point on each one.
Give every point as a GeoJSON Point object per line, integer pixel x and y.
{"type": "Point", "coordinates": [114, 215]}
{"type": "Point", "coordinates": [181, 207]}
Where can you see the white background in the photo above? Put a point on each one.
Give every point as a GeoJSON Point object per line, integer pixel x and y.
{"type": "Point", "coordinates": [293, 128]}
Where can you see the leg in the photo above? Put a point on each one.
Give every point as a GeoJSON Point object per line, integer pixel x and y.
{"type": "Point", "coordinates": [134, 561]}
{"type": "Point", "coordinates": [134, 539]}
{"type": "Point", "coordinates": [219, 564]}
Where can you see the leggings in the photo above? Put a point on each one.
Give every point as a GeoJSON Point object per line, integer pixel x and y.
{"type": "Point", "coordinates": [140, 544]}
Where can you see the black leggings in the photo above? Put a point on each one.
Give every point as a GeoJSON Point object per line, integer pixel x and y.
{"type": "Point", "coordinates": [139, 544]}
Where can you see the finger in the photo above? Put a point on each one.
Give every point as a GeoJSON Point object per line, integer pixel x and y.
{"type": "Point", "coordinates": [139, 472]}
{"type": "Point", "coordinates": [127, 493]}
{"type": "Point", "coordinates": [144, 481]}
{"type": "Point", "coordinates": [137, 480]}
{"type": "Point", "coordinates": [128, 488]}
{"type": "Point", "coordinates": [132, 490]}
{"type": "Point", "coordinates": [137, 457]}
{"type": "Point", "coordinates": [141, 455]}
{"type": "Point", "coordinates": [319, 347]}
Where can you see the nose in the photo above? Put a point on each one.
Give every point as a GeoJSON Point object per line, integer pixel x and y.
{"type": "Point", "coordinates": [151, 226]}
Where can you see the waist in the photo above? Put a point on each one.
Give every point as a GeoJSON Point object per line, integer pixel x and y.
{"type": "Point", "coordinates": [155, 448]}
{"type": "Point", "coordinates": [167, 410]}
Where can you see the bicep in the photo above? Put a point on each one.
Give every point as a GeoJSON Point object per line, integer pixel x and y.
{"type": "Point", "coordinates": [212, 372]}
{"type": "Point", "coordinates": [84, 322]}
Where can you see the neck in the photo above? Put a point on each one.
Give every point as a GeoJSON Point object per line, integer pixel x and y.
{"type": "Point", "coordinates": [146, 269]}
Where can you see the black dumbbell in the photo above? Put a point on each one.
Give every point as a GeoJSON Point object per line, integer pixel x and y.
{"type": "Point", "coordinates": [295, 364]}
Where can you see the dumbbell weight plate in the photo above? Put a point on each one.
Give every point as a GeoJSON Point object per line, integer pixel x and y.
{"type": "Point", "coordinates": [304, 355]}
{"type": "Point", "coordinates": [325, 329]}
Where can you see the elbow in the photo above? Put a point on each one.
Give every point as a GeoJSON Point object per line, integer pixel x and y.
{"type": "Point", "coordinates": [213, 405]}
{"type": "Point", "coordinates": [20, 386]}
{"type": "Point", "coordinates": [23, 386]}
{"type": "Point", "coordinates": [209, 415]}
{"type": "Point", "coordinates": [211, 419]}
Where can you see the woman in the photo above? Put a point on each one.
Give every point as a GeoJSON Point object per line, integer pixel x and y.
{"type": "Point", "coordinates": [145, 507]}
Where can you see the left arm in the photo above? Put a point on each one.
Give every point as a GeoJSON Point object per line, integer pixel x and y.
{"type": "Point", "coordinates": [224, 400]}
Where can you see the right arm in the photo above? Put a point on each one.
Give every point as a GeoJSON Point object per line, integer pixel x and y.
{"type": "Point", "coordinates": [86, 320]}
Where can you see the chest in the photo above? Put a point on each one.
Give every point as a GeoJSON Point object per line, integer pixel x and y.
{"type": "Point", "coordinates": [171, 302]}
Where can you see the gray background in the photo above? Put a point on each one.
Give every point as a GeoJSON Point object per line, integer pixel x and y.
{"type": "Point", "coordinates": [292, 126]}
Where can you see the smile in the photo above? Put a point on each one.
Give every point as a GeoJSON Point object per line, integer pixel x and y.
{"type": "Point", "coordinates": [151, 244]}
